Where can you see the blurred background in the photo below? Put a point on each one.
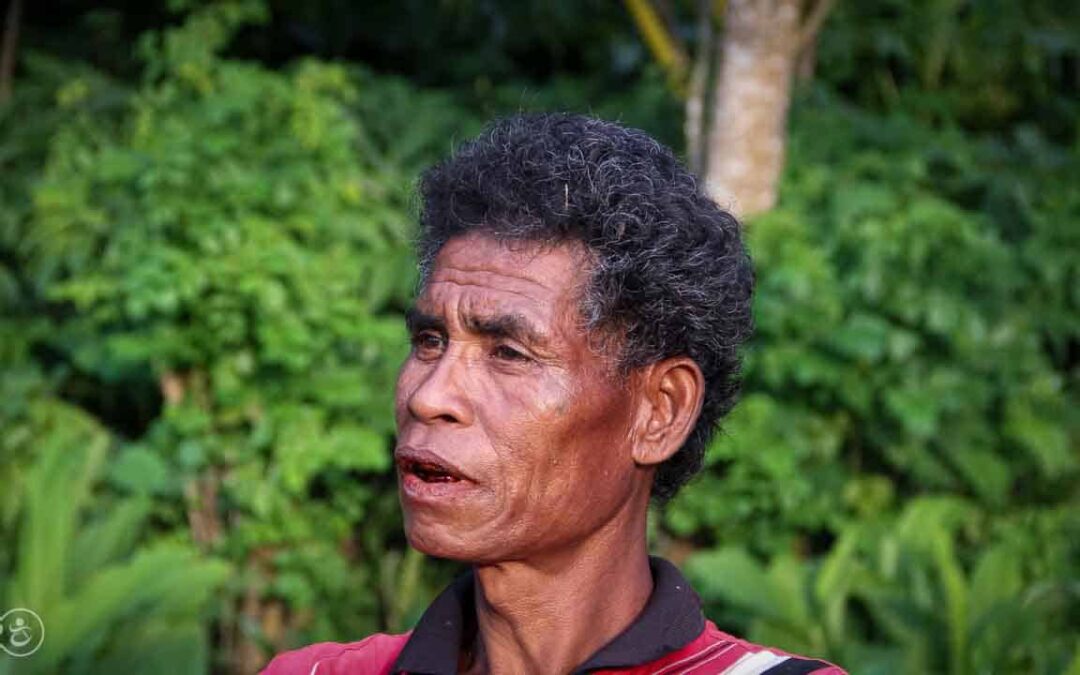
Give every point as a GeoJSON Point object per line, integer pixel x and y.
{"type": "Point", "coordinates": [205, 218]}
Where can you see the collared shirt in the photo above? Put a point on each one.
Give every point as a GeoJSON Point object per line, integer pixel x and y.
{"type": "Point", "coordinates": [670, 637]}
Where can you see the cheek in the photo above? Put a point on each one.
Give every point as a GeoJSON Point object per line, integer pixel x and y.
{"type": "Point", "coordinates": [564, 439]}
{"type": "Point", "coordinates": [406, 382]}
{"type": "Point", "coordinates": [523, 419]}
{"type": "Point", "coordinates": [596, 441]}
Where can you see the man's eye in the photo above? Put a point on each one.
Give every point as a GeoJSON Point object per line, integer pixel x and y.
{"type": "Point", "coordinates": [427, 343]}
{"type": "Point", "coordinates": [507, 353]}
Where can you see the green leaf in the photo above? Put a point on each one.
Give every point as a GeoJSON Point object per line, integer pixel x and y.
{"type": "Point", "coordinates": [140, 471]}
{"type": "Point", "coordinates": [731, 575]}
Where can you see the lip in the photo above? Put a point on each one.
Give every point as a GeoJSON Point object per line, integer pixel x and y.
{"type": "Point", "coordinates": [405, 455]}
{"type": "Point", "coordinates": [418, 493]}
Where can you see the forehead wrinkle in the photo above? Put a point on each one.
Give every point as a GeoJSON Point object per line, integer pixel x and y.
{"type": "Point", "coordinates": [471, 257]}
{"type": "Point", "coordinates": [465, 311]}
{"type": "Point", "coordinates": [509, 272]}
{"type": "Point", "coordinates": [488, 314]}
{"type": "Point", "coordinates": [465, 284]}
{"type": "Point", "coordinates": [509, 282]}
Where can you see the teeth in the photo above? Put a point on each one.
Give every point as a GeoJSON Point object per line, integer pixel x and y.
{"type": "Point", "coordinates": [431, 474]}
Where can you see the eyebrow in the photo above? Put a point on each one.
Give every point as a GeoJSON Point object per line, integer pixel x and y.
{"type": "Point", "coordinates": [498, 326]}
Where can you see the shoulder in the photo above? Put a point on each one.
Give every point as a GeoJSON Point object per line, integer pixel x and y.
{"type": "Point", "coordinates": [715, 652]}
{"type": "Point", "coordinates": [374, 654]}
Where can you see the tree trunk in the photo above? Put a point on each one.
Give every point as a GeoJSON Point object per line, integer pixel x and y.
{"type": "Point", "coordinates": [737, 96]}
{"type": "Point", "coordinates": [806, 64]}
{"type": "Point", "coordinates": [749, 125]}
{"type": "Point", "coordinates": [697, 107]}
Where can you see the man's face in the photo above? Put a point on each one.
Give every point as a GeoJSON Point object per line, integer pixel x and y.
{"type": "Point", "coordinates": [513, 433]}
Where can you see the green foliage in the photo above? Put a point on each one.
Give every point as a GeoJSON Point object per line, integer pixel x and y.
{"type": "Point", "coordinates": [903, 576]}
{"type": "Point", "coordinates": [203, 274]}
{"type": "Point", "coordinates": [905, 346]}
{"type": "Point", "coordinates": [108, 599]}
{"type": "Point", "coordinates": [220, 255]}
{"type": "Point", "coordinates": [987, 65]}
{"type": "Point", "coordinates": [900, 344]}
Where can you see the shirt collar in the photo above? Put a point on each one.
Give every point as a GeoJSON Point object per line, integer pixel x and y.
{"type": "Point", "coordinates": [671, 619]}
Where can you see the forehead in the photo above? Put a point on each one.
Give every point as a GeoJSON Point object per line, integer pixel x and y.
{"type": "Point", "coordinates": [541, 279]}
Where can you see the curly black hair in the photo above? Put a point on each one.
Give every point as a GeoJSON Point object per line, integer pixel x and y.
{"type": "Point", "coordinates": [670, 274]}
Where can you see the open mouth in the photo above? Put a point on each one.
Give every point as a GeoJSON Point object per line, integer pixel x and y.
{"type": "Point", "coordinates": [429, 472]}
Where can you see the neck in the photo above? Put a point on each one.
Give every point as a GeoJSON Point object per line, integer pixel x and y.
{"type": "Point", "coordinates": [550, 614]}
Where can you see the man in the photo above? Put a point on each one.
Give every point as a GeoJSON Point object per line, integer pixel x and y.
{"type": "Point", "coordinates": [574, 345]}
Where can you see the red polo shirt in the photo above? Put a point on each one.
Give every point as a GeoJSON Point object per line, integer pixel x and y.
{"type": "Point", "coordinates": [669, 637]}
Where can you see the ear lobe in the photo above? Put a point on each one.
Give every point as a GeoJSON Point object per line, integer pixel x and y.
{"type": "Point", "coordinates": [671, 398]}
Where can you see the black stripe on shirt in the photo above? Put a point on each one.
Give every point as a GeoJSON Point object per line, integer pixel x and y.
{"type": "Point", "coordinates": [795, 666]}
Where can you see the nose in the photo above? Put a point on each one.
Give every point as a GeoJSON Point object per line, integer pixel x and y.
{"type": "Point", "coordinates": [440, 394]}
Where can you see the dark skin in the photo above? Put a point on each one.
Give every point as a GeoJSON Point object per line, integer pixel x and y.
{"type": "Point", "coordinates": [553, 449]}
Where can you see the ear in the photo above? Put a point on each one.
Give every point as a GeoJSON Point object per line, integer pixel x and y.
{"type": "Point", "coordinates": [672, 392]}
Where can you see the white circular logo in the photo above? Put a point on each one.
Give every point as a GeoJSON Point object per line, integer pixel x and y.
{"type": "Point", "coordinates": [21, 632]}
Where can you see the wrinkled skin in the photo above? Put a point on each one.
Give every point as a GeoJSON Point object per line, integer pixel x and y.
{"type": "Point", "coordinates": [553, 449]}
{"type": "Point", "coordinates": [542, 424]}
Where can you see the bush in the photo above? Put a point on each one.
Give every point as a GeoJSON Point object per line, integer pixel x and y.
{"type": "Point", "coordinates": [226, 273]}
{"type": "Point", "coordinates": [204, 275]}
{"type": "Point", "coordinates": [111, 599]}
{"type": "Point", "coordinates": [912, 341]}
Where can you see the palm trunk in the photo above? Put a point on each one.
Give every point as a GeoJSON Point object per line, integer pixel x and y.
{"type": "Point", "coordinates": [747, 140]}
{"type": "Point", "coordinates": [697, 108]}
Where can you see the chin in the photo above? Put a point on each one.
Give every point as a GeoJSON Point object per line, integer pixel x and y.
{"type": "Point", "coordinates": [432, 539]}
{"type": "Point", "coordinates": [439, 541]}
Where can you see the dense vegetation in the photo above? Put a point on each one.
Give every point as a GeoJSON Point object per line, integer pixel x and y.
{"type": "Point", "coordinates": [204, 258]}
